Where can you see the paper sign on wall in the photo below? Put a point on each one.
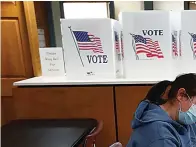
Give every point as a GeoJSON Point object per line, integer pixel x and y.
{"type": "Point", "coordinates": [52, 61]}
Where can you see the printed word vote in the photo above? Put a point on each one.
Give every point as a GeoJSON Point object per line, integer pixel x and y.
{"type": "Point", "coordinates": [97, 58]}
{"type": "Point", "coordinates": [153, 32]}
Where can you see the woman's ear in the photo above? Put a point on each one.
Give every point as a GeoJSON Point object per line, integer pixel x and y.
{"type": "Point", "coordinates": [181, 94]}
{"type": "Point", "coordinates": [165, 94]}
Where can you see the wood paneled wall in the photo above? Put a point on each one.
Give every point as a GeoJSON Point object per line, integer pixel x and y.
{"type": "Point", "coordinates": [20, 47]}
{"type": "Point", "coordinates": [127, 100]}
{"type": "Point", "coordinates": [115, 106]}
{"type": "Point", "coordinates": [16, 58]}
{"type": "Point", "coordinates": [69, 102]}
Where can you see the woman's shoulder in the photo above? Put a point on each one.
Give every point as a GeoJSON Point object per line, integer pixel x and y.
{"type": "Point", "coordinates": [158, 131]}
{"type": "Point", "coordinates": [164, 129]}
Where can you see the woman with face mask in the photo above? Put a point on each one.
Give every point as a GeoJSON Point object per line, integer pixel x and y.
{"type": "Point", "coordinates": [167, 115]}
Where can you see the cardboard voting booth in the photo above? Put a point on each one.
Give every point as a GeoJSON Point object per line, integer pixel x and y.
{"type": "Point", "coordinates": [147, 43]}
{"type": "Point", "coordinates": [92, 48]}
{"type": "Point", "coordinates": [187, 63]}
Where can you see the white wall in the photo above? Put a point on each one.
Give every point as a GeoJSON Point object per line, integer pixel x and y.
{"type": "Point", "coordinates": [168, 5]}
{"type": "Point", "coordinates": [121, 6]}
{"type": "Point", "coordinates": [56, 22]}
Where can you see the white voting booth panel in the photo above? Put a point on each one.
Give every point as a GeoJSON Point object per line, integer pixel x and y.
{"type": "Point", "coordinates": [187, 63]}
{"type": "Point", "coordinates": [147, 37]}
{"type": "Point", "coordinates": [175, 19]}
{"type": "Point", "coordinates": [175, 22]}
{"type": "Point", "coordinates": [91, 48]}
{"type": "Point", "coordinates": [119, 55]}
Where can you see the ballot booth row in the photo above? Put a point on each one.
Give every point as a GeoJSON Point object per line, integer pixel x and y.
{"type": "Point", "coordinates": [142, 45]}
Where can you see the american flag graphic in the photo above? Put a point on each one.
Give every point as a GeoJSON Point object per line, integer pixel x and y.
{"type": "Point", "coordinates": [148, 46]}
{"type": "Point", "coordinates": [117, 45]}
{"type": "Point", "coordinates": [87, 41]}
{"type": "Point", "coordinates": [180, 44]}
{"type": "Point", "coordinates": [122, 47]}
{"type": "Point", "coordinates": [174, 46]}
{"type": "Point", "coordinates": [193, 44]}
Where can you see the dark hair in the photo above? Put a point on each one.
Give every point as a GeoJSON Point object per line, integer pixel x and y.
{"type": "Point", "coordinates": [186, 81]}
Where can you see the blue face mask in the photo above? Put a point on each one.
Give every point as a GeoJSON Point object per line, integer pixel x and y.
{"type": "Point", "coordinates": [188, 117]}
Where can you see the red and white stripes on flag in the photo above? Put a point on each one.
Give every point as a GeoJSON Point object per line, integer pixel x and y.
{"type": "Point", "coordinates": [97, 43]}
{"type": "Point", "coordinates": [160, 53]}
{"type": "Point", "coordinates": [122, 46]}
{"type": "Point", "coordinates": [193, 43]}
{"type": "Point", "coordinates": [174, 46]}
{"type": "Point", "coordinates": [155, 50]}
{"type": "Point", "coordinates": [117, 44]}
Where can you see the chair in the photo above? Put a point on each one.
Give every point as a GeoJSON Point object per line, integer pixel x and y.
{"type": "Point", "coordinates": [90, 140]}
{"type": "Point", "coordinates": [117, 144]}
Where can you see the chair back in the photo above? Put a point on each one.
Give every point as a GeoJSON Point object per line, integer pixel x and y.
{"type": "Point", "coordinates": [91, 138]}
{"type": "Point", "coordinates": [117, 144]}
